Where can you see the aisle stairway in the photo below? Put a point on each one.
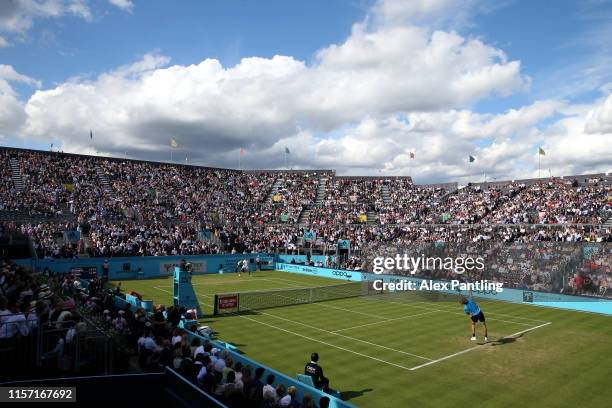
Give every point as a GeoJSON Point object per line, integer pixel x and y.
{"type": "Point", "coordinates": [385, 194]}
{"type": "Point", "coordinates": [275, 186]}
{"type": "Point", "coordinates": [321, 189]}
{"type": "Point", "coordinates": [304, 215]}
{"type": "Point", "coordinates": [104, 180]}
{"type": "Point", "coordinates": [16, 173]}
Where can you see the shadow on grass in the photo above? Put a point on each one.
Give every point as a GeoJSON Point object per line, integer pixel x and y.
{"type": "Point", "coordinates": [233, 314]}
{"type": "Point", "coordinates": [506, 340]}
{"type": "Point", "coordinates": [347, 395]}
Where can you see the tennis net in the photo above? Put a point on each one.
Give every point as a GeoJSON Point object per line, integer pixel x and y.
{"type": "Point", "coordinates": [264, 299]}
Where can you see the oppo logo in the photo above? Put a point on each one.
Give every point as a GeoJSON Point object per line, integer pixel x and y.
{"type": "Point", "coordinates": [341, 273]}
{"type": "Point", "coordinates": [485, 292]}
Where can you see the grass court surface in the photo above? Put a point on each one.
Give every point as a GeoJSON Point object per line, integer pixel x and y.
{"type": "Point", "coordinates": [397, 351]}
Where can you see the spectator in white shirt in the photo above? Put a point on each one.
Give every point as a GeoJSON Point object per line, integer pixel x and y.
{"type": "Point", "coordinates": [14, 324]}
{"type": "Point", "coordinates": [269, 392]}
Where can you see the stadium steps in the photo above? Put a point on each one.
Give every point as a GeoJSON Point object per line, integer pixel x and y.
{"type": "Point", "coordinates": [385, 194]}
{"type": "Point", "coordinates": [104, 180]}
{"type": "Point", "coordinates": [16, 173]}
{"type": "Point", "coordinates": [304, 217]}
{"type": "Point", "coordinates": [372, 217]}
{"type": "Point", "coordinates": [321, 189]}
{"type": "Point", "coordinates": [275, 186]}
{"type": "Point", "coordinates": [215, 240]}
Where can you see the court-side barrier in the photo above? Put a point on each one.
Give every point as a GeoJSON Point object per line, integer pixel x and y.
{"type": "Point", "coordinates": [143, 267]}
{"type": "Point", "coordinates": [532, 297]}
{"type": "Point", "coordinates": [288, 258]}
{"type": "Point", "coordinates": [302, 388]}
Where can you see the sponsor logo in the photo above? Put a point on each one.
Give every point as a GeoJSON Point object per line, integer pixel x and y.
{"type": "Point", "coordinates": [341, 273]}
{"type": "Point", "coordinates": [485, 292]}
{"type": "Point", "coordinates": [228, 302]}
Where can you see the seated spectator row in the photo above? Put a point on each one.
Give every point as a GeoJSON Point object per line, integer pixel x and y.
{"type": "Point", "coordinates": [58, 319]}
{"type": "Point", "coordinates": [96, 188]}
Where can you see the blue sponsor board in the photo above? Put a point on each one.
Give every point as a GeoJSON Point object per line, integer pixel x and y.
{"type": "Point", "coordinates": [344, 244]}
{"type": "Point", "coordinates": [309, 236]}
{"type": "Point", "coordinates": [318, 271]}
{"type": "Point", "coordinates": [138, 267]}
{"type": "Point", "coordinates": [556, 300]}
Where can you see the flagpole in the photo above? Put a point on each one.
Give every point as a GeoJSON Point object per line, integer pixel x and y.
{"type": "Point", "coordinates": [410, 164]}
{"type": "Point", "coordinates": [286, 160]}
{"type": "Point", "coordinates": [239, 164]}
{"type": "Point", "coordinates": [539, 164]}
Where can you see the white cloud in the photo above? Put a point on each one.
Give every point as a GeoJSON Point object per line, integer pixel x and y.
{"type": "Point", "coordinates": [399, 83]}
{"type": "Point", "coordinates": [17, 16]}
{"type": "Point", "coordinates": [125, 5]}
{"type": "Point", "coordinates": [599, 120]}
{"type": "Point", "coordinates": [378, 71]}
{"type": "Point", "coordinates": [8, 73]}
{"type": "Point", "coordinates": [469, 125]}
{"type": "Point", "coordinates": [12, 115]}
{"type": "Point", "coordinates": [4, 42]}
{"type": "Point", "coordinates": [581, 142]}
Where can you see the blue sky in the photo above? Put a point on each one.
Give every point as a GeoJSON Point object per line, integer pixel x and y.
{"type": "Point", "coordinates": [56, 49]}
{"type": "Point", "coordinates": [544, 36]}
{"type": "Point", "coordinates": [562, 48]}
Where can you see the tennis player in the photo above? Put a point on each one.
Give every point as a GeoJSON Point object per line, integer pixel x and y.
{"type": "Point", "coordinates": [471, 309]}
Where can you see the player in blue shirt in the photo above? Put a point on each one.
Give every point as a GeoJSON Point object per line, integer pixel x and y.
{"type": "Point", "coordinates": [471, 309]}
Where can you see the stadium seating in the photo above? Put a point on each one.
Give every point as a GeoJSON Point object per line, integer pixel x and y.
{"type": "Point", "coordinates": [139, 208]}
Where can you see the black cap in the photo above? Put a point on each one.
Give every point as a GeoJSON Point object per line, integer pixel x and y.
{"type": "Point", "coordinates": [314, 357]}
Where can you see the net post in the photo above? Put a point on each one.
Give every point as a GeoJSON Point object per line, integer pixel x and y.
{"type": "Point", "coordinates": [216, 310]}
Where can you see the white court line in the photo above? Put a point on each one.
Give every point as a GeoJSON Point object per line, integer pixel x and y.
{"type": "Point", "coordinates": [388, 320]}
{"type": "Point", "coordinates": [322, 304]}
{"type": "Point", "coordinates": [488, 313]}
{"type": "Point", "coordinates": [327, 344]}
{"type": "Point", "coordinates": [337, 307]}
{"type": "Point", "coordinates": [342, 335]}
{"type": "Point", "coordinates": [451, 312]}
{"type": "Point", "coordinates": [378, 359]}
{"type": "Point", "coordinates": [347, 337]}
{"type": "Point", "coordinates": [351, 311]}
{"type": "Point", "coordinates": [347, 310]}
{"type": "Point", "coordinates": [416, 301]}
{"type": "Point", "coordinates": [163, 290]}
{"type": "Point", "coordinates": [477, 347]}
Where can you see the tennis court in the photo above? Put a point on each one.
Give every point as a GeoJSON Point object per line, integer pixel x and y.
{"type": "Point", "coordinates": [422, 345]}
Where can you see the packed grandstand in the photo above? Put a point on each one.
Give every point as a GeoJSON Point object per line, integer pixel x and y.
{"type": "Point", "coordinates": [138, 208]}
{"type": "Point", "coordinates": [538, 234]}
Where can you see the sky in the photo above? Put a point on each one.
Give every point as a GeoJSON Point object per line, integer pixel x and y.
{"type": "Point", "coordinates": [350, 85]}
